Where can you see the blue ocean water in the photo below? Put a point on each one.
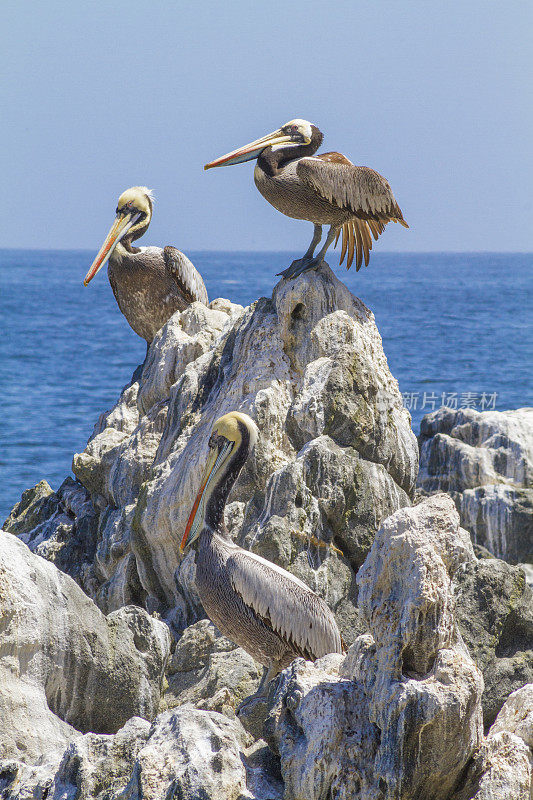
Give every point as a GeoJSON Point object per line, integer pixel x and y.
{"type": "Point", "coordinates": [453, 324]}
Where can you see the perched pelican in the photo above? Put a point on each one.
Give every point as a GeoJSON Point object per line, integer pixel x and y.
{"type": "Point", "coordinates": [258, 605]}
{"type": "Point", "coordinates": [149, 283]}
{"type": "Point", "coordinates": [326, 189]}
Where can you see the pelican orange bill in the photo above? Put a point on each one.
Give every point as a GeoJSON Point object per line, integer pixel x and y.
{"type": "Point", "coordinates": [214, 463]}
{"type": "Point", "coordinates": [120, 227]}
{"type": "Point", "coordinates": [193, 513]}
{"type": "Point", "coordinates": [249, 151]}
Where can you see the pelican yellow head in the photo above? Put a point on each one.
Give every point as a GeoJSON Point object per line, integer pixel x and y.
{"type": "Point", "coordinates": [134, 212]}
{"type": "Point", "coordinates": [232, 439]}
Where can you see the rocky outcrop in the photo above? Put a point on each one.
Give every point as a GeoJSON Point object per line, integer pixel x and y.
{"type": "Point", "coordinates": [186, 754]}
{"type": "Point", "coordinates": [400, 715]}
{"type": "Point", "coordinates": [335, 457]}
{"type": "Point", "coordinates": [64, 666]}
{"type": "Point", "coordinates": [494, 612]}
{"type": "Point", "coordinates": [503, 765]}
{"type": "Point", "coordinates": [327, 494]}
{"type": "Point", "coordinates": [485, 461]}
{"type": "Point", "coordinates": [59, 526]}
{"type": "Point", "coordinates": [210, 672]}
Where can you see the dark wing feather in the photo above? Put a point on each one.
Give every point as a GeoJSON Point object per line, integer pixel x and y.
{"type": "Point", "coordinates": [294, 612]}
{"type": "Point", "coordinates": [361, 190]}
{"type": "Point", "coordinates": [186, 275]}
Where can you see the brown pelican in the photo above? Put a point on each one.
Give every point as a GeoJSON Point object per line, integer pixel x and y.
{"type": "Point", "coordinates": [149, 283]}
{"type": "Point", "coordinates": [272, 614]}
{"type": "Point", "coordinates": [326, 189]}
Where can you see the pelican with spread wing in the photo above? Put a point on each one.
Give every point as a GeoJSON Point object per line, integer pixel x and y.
{"type": "Point", "coordinates": [149, 283]}
{"type": "Point", "coordinates": [261, 607]}
{"type": "Point", "coordinates": [326, 189]}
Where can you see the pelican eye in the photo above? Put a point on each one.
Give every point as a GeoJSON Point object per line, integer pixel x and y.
{"type": "Point", "coordinates": [295, 134]}
{"type": "Point", "coordinates": [217, 440]}
{"type": "Point", "coordinates": [129, 208]}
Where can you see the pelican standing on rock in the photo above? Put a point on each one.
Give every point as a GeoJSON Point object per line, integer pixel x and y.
{"type": "Point", "coordinates": [149, 283]}
{"type": "Point", "coordinates": [261, 607]}
{"type": "Point", "coordinates": [326, 189]}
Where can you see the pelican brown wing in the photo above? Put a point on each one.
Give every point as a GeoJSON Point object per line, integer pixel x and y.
{"type": "Point", "coordinates": [283, 602]}
{"type": "Point", "coordinates": [186, 275]}
{"type": "Point", "coordinates": [360, 190]}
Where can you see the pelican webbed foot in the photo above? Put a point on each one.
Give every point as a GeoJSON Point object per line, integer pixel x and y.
{"type": "Point", "coordinates": [309, 262]}
{"type": "Point", "coordinates": [261, 694]}
{"type": "Point", "coordinates": [301, 265]}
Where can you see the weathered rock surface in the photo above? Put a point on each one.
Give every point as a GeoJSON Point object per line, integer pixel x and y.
{"type": "Point", "coordinates": [400, 715]}
{"type": "Point", "coordinates": [398, 718]}
{"type": "Point", "coordinates": [64, 666]}
{"type": "Point", "coordinates": [494, 612]}
{"type": "Point", "coordinates": [485, 461]}
{"type": "Point", "coordinates": [208, 671]}
{"type": "Point", "coordinates": [186, 754]}
{"type": "Point", "coordinates": [516, 715]}
{"type": "Point", "coordinates": [336, 454]}
{"type": "Point", "coordinates": [503, 765]}
{"type": "Point", "coordinates": [59, 526]}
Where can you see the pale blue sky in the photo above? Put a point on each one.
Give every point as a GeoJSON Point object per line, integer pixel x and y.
{"type": "Point", "coordinates": [99, 96]}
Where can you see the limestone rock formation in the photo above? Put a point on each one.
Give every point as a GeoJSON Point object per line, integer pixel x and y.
{"type": "Point", "coordinates": [494, 612]}
{"type": "Point", "coordinates": [398, 718]}
{"type": "Point", "coordinates": [485, 461]}
{"type": "Point", "coordinates": [186, 754]}
{"type": "Point", "coordinates": [327, 495]}
{"type": "Point", "coordinates": [61, 527]}
{"type": "Point", "coordinates": [400, 715]}
{"type": "Point", "coordinates": [516, 715]}
{"type": "Point", "coordinates": [336, 454]}
{"type": "Point", "coordinates": [210, 672]}
{"type": "Point", "coordinates": [64, 666]}
{"type": "Point", "coordinates": [503, 765]}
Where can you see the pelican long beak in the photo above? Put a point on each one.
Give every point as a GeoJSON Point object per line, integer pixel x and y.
{"type": "Point", "coordinates": [196, 517]}
{"type": "Point", "coordinates": [120, 227]}
{"type": "Point", "coordinates": [194, 511]}
{"type": "Point", "coordinates": [250, 151]}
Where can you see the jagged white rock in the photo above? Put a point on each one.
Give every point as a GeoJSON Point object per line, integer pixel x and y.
{"type": "Point", "coordinates": [485, 460]}
{"type": "Point", "coordinates": [503, 766]}
{"type": "Point", "coordinates": [210, 672]}
{"type": "Point", "coordinates": [400, 715]}
{"type": "Point", "coordinates": [516, 715]}
{"type": "Point", "coordinates": [261, 364]}
{"type": "Point", "coordinates": [185, 753]}
{"type": "Point", "coordinates": [64, 666]}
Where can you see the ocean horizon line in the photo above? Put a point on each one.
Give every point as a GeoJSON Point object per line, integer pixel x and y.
{"type": "Point", "coordinates": [262, 252]}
